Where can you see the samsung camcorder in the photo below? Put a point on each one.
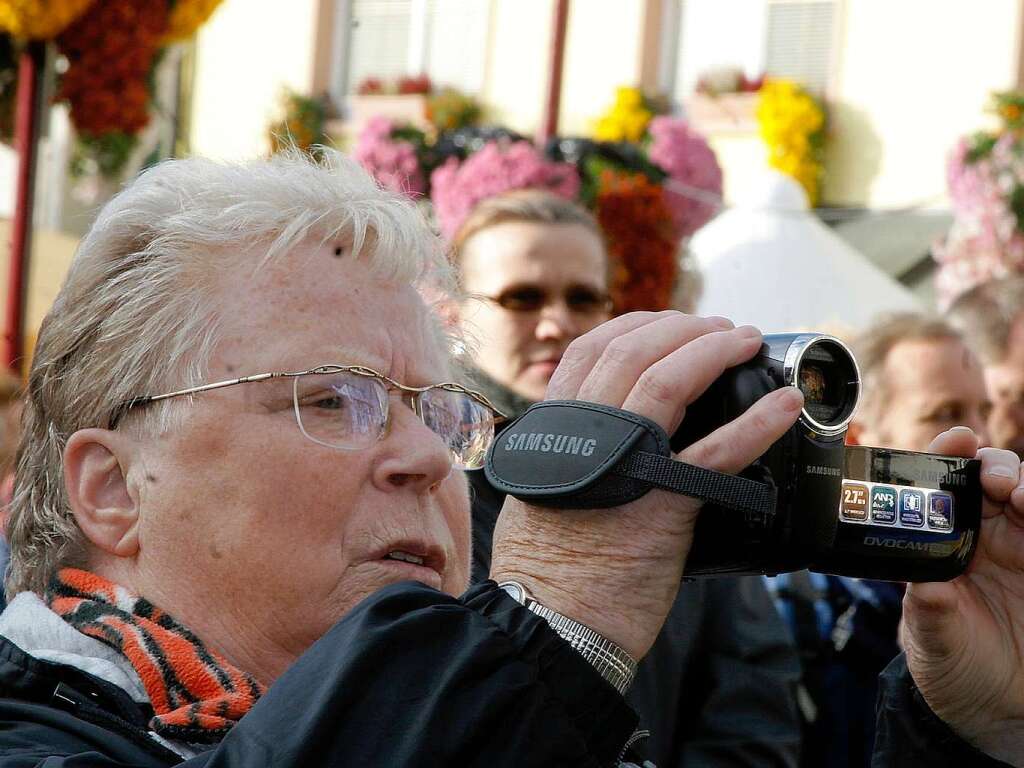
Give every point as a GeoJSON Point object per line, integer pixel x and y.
{"type": "Point", "coordinates": [809, 502]}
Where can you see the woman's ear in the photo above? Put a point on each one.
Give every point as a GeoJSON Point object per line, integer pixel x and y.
{"type": "Point", "coordinates": [96, 464]}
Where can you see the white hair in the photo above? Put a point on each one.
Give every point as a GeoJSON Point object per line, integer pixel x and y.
{"type": "Point", "coordinates": [135, 317]}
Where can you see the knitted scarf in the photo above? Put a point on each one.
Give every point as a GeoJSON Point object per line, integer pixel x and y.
{"type": "Point", "coordinates": [196, 694]}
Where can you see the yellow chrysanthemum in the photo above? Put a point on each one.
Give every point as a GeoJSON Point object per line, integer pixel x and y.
{"type": "Point", "coordinates": [39, 19]}
{"type": "Point", "coordinates": [790, 123]}
{"type": "Point", "coordinates": [626, 119]}
{"type": "Point", "coordinates": [187, 16]}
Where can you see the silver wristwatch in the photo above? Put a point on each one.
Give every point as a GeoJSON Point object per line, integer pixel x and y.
{"type": "Point", "coordinates": [612, 662]}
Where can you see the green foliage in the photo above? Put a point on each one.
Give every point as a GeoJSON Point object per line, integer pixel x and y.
{"type": "Point", "coordinates": [301, 125]}
{"type": "Point", "coordinates": [106, 154]}
{"type": "Point", "coordinates": [450, 109]}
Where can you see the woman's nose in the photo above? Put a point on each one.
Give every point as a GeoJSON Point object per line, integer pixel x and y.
{"type": "Point", "coordinates": [412, 455]}
{"type": "Point", "coordinates": [556, 321]}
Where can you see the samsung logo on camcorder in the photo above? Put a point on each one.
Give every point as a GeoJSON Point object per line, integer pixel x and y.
{"type": "Point", "coordinates": [814, 469]}
{"type": "Point", "coordinates": [936, 548]}
{"type": "Point", "coordinates": [546, 442]}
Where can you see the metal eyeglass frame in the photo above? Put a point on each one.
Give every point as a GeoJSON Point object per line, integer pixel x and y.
{"type": "Point", "coordinates": [358, 370]}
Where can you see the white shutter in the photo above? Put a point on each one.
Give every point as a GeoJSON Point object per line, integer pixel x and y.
{"type": "Point", "coordinates": [379, 40]}
{"type": "Point", "coordinates": [457, 32]}
{"type": "Point", "coordinates": [800, 40]}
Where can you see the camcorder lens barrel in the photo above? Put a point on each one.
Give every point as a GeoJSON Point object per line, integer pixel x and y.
{"type": "Point", "coordinates": [828, 377]}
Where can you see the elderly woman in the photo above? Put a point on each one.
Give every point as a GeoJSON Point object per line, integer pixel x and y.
{"type": "Point", "coordinates": [238, 539]}
{"type": "Point", "coordinates": [718, 684]}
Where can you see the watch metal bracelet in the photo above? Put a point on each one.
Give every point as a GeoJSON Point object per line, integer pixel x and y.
{"type": "Point", "coordinates": [616, 666]}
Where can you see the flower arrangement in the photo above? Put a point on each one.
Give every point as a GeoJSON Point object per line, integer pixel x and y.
{"type": "Point", "coordinates": [39, 19]}
{"type": "Point", "coordinates": [499, 167]}
{"type": "Point", "coordinates": [371, 86]}
{"type": "Point", "coordinates": [716, 82]}
{"type": "Point", "coordinates": [392, 156]}
{"type": "Point", "coordinates": [792, 124]}
{"type": "Point", "coordinates": [408, 85]}
{"type": "Point", "coordinates": [636, 220]}
{"type": "Point", "coordinates": [110, 53]}
{"type": "Point", "coordinates": [985, 179]}
{"type": "Point", "coordinates": [111, 47]}
{"type": "Point", "coordinates": [648, 195]}
{"type": "Point", "coordinates": [626, 119]}
{"type": "Point", "coordinates": [187, 16]}
{"type": "Point", "coordinates": [450, 109]}
{"type": "Point", "coordinates": [301, 125]}
{"type": "Point", "coordinates": [695, 177]}
{"type": "Point", "coordinates": [414, 84]}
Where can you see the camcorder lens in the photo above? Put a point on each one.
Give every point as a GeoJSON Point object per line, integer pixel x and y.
{"type": "Point", "coordinates": [828, 378]}
{"type": "Point", "coordinates": [812, 384]}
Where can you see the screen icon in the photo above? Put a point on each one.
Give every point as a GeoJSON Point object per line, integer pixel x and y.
{"type": "Point", "coordinates": [912, 508]}
{"type": "Point", "coordinates": [883, 504]}
{"type": "Point", "coordinates": [940, 511]}
{"type": "Point", "coordinates": [855, 502]}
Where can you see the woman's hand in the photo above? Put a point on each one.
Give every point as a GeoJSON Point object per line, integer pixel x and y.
{"type": "Point", "coordinates": [618, 570]}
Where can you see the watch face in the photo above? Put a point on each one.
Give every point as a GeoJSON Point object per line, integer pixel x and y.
{"type": "Point", "coordinates": [515, 590]}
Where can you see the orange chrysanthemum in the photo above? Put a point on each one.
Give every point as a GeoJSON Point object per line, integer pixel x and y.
{"type": "Point", "coordinates": [110, 52]}
{"type": "Point", "coordinates": [637, 223]}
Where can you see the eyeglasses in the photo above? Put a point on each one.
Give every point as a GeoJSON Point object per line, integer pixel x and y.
{"type": "Point", "coordinates": [579, 299]}
{"type": "Point", "coordinates": [347, 407]}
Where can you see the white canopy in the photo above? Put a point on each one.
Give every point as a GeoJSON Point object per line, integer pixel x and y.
{"type": "Point", "coordinates": [768, 261]}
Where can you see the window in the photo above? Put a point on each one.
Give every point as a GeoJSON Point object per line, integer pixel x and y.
{"type": "Point", "coordinates": [800, 39]}
{"type": "Point", "coordinates": [388, 39]}
{"type": "Point", "coordinates": [786, 38]}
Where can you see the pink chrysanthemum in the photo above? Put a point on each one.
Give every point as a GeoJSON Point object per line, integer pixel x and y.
{"type": "Point", "coordinates": [691, 163]}
{"type": "Point", "coordinates": [391, 162]}
{"type": "Point", "coordinates": [498, 167]}
{"type": "Point", "coordinates": [985, 242]}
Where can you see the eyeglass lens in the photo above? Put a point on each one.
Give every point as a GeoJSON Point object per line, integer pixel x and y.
{"type": "Point", "coordinates": [348, 411]}
{"type": "Point", "coordinates": [532, 298]}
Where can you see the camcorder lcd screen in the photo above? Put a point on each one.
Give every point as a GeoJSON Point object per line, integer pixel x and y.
{"type": "Point", "coordinates": [907, 516]}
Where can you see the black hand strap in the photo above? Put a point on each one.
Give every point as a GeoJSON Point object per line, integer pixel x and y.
{"type": "Point", "coordinates": [575, 455]}
{"type": "Point", "coordinates": [731, 491]}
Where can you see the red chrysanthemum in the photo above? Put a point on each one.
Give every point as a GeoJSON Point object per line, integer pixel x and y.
{"type": "Point", "coordinates": [637, 223]}
{"type": "Point", "coordinates": [110, 51]}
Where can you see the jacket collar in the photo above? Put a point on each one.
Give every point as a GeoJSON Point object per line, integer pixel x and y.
{"type": "Point", "coordinates": [30, 624]}
{"type": "Point", "coordinates": [44, 659]}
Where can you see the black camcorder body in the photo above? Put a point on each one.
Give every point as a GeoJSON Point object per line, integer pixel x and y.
{"type": "Point", "coordinates": [809, 501]}
{"type": "Point", "coordinates": [857, 511]}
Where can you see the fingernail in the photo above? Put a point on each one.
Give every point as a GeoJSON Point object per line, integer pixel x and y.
{"type": "Point", "coordinates": [792, 399]}
{"type": "Point", "coordinates": [748, 332]}
{"type": "Point", "coordinates": [960, 429]}
{"type": "Point", "coordinates": [721, 322]}
{"type": "Point", "coordinates": [1000, 470]}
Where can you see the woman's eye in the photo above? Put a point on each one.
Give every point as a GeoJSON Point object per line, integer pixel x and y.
{"type": "Point", "coordinates": [326, 402]}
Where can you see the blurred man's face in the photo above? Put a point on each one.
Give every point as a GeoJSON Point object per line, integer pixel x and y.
{"type": "Point", "coordinates": [1006, 388]}
{"type": "Point", "coordinates": [931, 386]}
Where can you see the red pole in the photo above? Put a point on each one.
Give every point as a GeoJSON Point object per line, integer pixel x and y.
{"type": "Point", "coordinates": [549, 121]}
{"type": "Point", "coordinates": [26, 133]}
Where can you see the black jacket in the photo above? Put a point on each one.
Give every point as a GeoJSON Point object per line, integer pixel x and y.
{"type": "Point", "coordinates": [410, 677]}
{"type": "Point", "coordinates": [909, 734]}
{"type": "Point", "coordinates": [717, 689]}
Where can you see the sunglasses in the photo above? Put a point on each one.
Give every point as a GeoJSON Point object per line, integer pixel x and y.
{"type": "Point", "coordinates": [579, 299]}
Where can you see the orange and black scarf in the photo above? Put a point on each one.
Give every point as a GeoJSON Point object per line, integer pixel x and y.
{"type": "Point", "coordinates": [196, 694]}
